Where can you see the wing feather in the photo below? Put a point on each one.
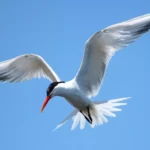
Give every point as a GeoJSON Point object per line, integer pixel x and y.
{"type": "Point", "coordinates": [100, 48]}
{"type": "Point", "coordinates": [26, 67]}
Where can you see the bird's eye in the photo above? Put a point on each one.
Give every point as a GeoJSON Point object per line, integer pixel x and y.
{"type": "Point", "coordinates": [47, 92]}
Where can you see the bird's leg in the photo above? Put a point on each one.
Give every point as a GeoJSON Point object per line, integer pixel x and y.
{"type": "Point", "coordinates": [89, 114]}
{"type": "Point", "coordinates": [86, 117]}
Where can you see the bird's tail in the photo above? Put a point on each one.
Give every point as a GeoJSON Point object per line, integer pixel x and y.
{"type": "Point", "coordinates": [98, 112]}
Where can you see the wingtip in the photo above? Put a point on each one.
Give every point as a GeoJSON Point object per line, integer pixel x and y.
{"type": "Point", "coordinates": [128, 97]}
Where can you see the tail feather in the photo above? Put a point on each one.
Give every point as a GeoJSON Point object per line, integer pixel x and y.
{"type": "Point", "coordinates": [72, 115]}
{"type": "Point", "coordinates": [99, 110]}
{"type": "Point", "coordinates": [79, 118]}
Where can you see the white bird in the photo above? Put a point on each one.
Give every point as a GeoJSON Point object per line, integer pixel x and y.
{"type": "Point", "coordinates": [86, 84]}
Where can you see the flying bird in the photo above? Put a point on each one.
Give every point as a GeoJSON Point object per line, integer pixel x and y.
{"type": "Point", "coordinates": [79, 91]}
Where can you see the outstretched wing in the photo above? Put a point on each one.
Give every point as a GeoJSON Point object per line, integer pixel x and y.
{"type": "Point", "coordinates": [100, 48]}
{"type": "Point", "coordinates": [26, 67]}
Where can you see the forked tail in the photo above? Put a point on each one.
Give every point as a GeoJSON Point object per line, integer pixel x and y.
{"type": "Point", "coordinates": [98, 112]}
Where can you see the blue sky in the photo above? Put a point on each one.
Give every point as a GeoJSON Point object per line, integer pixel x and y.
{"type": "Point", "coordinates": [57, 30]}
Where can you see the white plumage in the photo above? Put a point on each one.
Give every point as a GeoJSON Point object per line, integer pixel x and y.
{"type": "Point", "coordinates": [100, 48]}
{"type": "Point", "coordinates": [98, 51]}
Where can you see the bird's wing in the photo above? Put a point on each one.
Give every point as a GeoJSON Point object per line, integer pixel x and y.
{"type": "Point", "coordinates": [100, 48]}
{"type": "Point", "coordinates": [26, 67]}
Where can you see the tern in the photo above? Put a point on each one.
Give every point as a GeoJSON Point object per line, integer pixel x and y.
{"type": "Point", "coordinates": [86, 84]}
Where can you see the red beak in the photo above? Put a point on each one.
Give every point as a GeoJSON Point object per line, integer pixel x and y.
{"type": "Point", "coordinates": [45, 102]}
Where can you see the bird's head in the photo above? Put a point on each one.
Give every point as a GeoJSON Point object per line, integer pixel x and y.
{"type": "Point", "coordinates": [50, 92]}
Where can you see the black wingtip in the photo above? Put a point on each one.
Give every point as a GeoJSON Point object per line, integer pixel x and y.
{"type": "Point", "coordinates": [143, 29]}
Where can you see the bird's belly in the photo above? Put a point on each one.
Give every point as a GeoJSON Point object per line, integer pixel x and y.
{"type": "Point", "coordinates": [78, 102]}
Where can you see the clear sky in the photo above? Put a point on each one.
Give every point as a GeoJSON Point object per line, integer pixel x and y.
{"type": "Point", "coordinates": [57, 30]}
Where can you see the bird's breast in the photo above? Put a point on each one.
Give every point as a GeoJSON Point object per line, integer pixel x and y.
{"type": "Point", "coordinates": [72, 93]}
